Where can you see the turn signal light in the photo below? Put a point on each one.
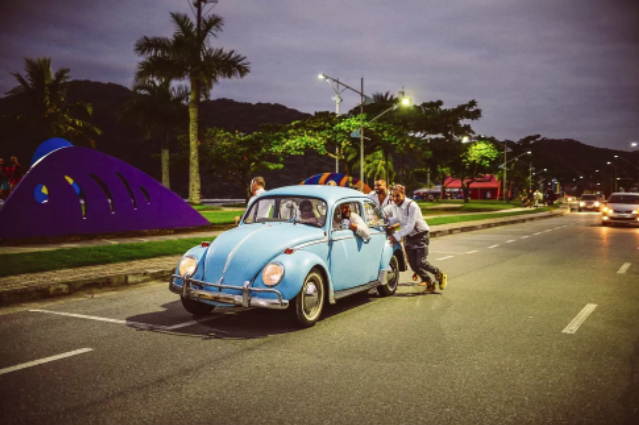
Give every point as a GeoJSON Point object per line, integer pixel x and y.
{"type": "Point", "coordinates": [206, 244]}
{"type": "Point", "coordinates": [289, 251]}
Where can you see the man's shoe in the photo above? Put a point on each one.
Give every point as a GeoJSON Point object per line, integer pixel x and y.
{"type": "Point", "coordinates": [442, 278]}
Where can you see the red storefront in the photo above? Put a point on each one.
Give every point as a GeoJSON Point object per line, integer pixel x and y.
{"type": "Point", "coordinates": [487, 187]}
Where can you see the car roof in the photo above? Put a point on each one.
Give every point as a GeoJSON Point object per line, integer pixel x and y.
{"type": "Point", "coordinates": [330, 194]}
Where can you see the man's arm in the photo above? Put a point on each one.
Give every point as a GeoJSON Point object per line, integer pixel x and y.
{"type": "Point", "coordinates": [358, 226]}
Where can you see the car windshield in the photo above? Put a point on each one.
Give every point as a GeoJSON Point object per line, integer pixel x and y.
{"type": "Point", "coordinates": [624, 199]}
{"type": "Point", "coordinates": [589, 197]}
{"type": "Point", "coordinates": [304, 210]}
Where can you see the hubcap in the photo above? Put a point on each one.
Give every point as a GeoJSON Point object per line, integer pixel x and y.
{"type": "Point", "coordinates": [312, 297]}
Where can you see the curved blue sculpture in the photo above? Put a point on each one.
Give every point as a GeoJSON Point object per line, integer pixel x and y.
{"type": "Point", "coordinates": [49, 146]}
{"type": "Point", "coordinates": [77, 190]}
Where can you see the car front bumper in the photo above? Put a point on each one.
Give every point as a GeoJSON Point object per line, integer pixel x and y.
{"type": "Point", "coordinates": [621, 218]}
{"type": "Point", "coordinates": [246, 299]}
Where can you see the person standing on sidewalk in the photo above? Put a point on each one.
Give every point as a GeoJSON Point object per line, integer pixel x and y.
{"type": "Point", "coordinates": [4, 179]}
{"type": "Point", "coordinates": [16, 172]}
{"type": "Point", "coordinates": [550, 199]}
{"type": "Point", "coordinates": [257, 188]}
{"type": "Point", "coordinates": [407, 214]}
{"type": "Point", "coordinates": [380, 194]}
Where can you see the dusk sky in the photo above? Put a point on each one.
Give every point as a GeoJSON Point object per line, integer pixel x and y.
{"type": "Point", "coordinates": [559, 68]}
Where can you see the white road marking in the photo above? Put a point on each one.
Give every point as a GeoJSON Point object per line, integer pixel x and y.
{"type": "Point", "coordinates": [547, 230]}
{"type": "Point", "coordinates": [45, 360]}
{"type": "Point", "coordinates": [510, 241]}
{"type": "Point", "coordinates": [445, 258]}
{"type": "Point", "coordinates": [538, 233]}
{"type": "Point", "coordinates": [579, 319]}
{"type": "Point", "coordinates": [471, 252]}
{"type": "Point", "coordinates": [493, 246]}
{"type": "Point", "coordinates": [525, 237]}
{"type": "Point", "coordinates": [127, 322]}
{"type": "Point", "coordinates": [623, 268]}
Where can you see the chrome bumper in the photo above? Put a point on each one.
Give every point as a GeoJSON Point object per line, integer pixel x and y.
{"type": "Point", "coordinates": [245, 300]}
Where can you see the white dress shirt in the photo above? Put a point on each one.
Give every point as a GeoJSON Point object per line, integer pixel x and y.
{"type": "Point", "coordinates": [409, 216]}
{"type": "Point", "coordinates": [362, 229]}
{"type": "Point", "coordinates": [387, 201]}
{"type": "Point", "coordinates": [263, 209]}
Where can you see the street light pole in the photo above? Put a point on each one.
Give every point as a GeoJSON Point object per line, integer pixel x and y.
{"type": "Point", "coordinates": [505, 172]}
{"type": "Point", "coordinates": [361, 137]}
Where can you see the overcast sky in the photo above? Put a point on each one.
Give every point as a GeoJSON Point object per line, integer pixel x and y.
{"type": "Point", "coordinates": [559, 68]}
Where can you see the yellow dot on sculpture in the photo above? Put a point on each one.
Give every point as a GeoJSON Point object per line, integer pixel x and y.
{"type": "Point", "coordinates": [45, 190]}
{"type": "Point", "coordinates": [69, 179]}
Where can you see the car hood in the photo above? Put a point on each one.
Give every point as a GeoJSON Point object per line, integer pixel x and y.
{"type": "Point", "coordinates": [240, 254]}
{"type": "Point", "coordinates": [623, 208]}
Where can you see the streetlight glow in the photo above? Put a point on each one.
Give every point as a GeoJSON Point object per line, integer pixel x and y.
{"type": "Point", "coordinates": [634, 144]}
{"type": "Point", "coordinates": [321, 77]}
{"type": "Point", "coordinates": [465, 139]}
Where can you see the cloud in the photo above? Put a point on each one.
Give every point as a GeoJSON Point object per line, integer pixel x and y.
{"type": "Point", "coordinates": [561, 69]}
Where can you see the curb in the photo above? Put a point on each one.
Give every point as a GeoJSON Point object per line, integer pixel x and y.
{"type": "Point", "coordinates": [11, 296]}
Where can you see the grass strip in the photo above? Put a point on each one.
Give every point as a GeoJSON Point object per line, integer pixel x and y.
{"type": "Point", "coordinates": [474, 217]}
{"type": "Point", "coordinates": [207, 208]}
{"type": "Point", "coordinates": [33, 262]}
{"type": "Point", "coordinates": [221, 217]}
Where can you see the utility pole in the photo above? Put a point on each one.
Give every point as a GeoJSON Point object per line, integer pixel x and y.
{"type": "Point", "coordinates": [505, 172]}
{"type": "Point", "coordinates": [361, 138]}
{"type": "Point", "coordinates": [337, 102]}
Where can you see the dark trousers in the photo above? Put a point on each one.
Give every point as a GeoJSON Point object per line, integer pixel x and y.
{"type": "Point", "coordinates": [417, 252]}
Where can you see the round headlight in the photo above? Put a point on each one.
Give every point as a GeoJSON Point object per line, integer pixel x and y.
{"type": "Point", "coordinates": [188, 265]}
{"type": "Point", "coordinates": [596, 204]}
{"type": "Point", "coordinates": [581, 204]}
{"type": "Point", "coordinates": [635, 212]}
{"type": "Point", "coordinates": [273, 274]}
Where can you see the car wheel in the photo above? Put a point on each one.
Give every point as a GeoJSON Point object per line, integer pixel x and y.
{"type": "Point", "coordinates": [392, 279]}
{"type": "Point", "coordinates": [309, 303]}
{"type": "Point", "coordinates": [196, 308]}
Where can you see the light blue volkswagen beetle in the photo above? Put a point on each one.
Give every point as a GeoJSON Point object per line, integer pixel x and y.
{"type": "Point", "coordinates": [291, 251]}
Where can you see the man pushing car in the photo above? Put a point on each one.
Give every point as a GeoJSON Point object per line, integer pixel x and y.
{"type": "Point", "coordinates": [407, 214]}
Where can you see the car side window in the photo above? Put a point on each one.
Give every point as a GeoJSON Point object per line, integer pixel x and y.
{"type": "Point", "coordinates": [337, 215]}
{"type": "Point", "coordinates": [374, 216]}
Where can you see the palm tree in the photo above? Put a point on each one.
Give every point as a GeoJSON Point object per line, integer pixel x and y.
{"type": "Point", "coordinates": [188, 56]}
{"type": "Point", "coordinates": [48, 113]}
{"type": "Point", "coordinates": [157, 109]}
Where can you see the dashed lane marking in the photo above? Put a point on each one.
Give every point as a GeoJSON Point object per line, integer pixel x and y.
{"type": "Point", "coordinates": [127, 322]}
{"type": "Point", "coordinates": [579, 319]}
{"type": "Point", "coordinates": [493, 246]}
{"type": "Point", "coordinates": [510, 241]}
{"type": "Point", "coordinates": [525, 237]}
{"type": "Point", "coordinates": [445, 258]}
{"type": "Point", "coordinates": [471, 252]}
{"type": "Point", "coordinates": [45, 360]}
{"type": "Point", "coordinates": [538, 233]}
{"type": "Point", "coordinates": [623, 268]}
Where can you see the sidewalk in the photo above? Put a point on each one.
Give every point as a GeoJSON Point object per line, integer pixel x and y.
{"type": "Point", "coordinates": [34, 286]}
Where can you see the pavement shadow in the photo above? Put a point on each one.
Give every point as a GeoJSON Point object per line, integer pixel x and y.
{"type": "Point", "coordinates": [237, 323]}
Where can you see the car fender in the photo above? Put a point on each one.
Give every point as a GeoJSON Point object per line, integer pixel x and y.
{"type": "Point", "coordinates": [389, 251]}
{"type": "Point", "coordinates": [296, 267]}
{"type": "Point", "coordinates": [199, 253]}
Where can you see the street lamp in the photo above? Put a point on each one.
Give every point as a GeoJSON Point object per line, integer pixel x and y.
{"type": "Point", "coordinates": [337, 98]}
{"type": "Point", "coordinates": [364, 100]}
{"type": "Point", "coordinates": [634, 144]}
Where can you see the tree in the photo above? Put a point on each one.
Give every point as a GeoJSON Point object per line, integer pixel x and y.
{"type": "Point", "coordinates": [158, 109]}
{"type": "Point", "coordinates": [478, 159]}
{"type": "Point", "coordinates": [237, 156]}
{"type": "Point", "coordinates": [188, 56]}
{"type": "Point", "coordinates": [48, 113]}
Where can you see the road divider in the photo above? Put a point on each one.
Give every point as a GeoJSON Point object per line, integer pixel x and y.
{"type": "Point", "coordinates": [579, 319]}
{"type": "Point", "coordinates": [45, 360]}
{"type": "Point", "coordinates": [624, 268]}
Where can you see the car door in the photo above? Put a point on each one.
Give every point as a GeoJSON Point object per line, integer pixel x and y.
{"type": "Point", "coordinates": [352, 261]}
{"type": "Point", "coordinates": [375, 220]}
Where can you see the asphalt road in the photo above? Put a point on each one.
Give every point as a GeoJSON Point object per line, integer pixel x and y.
{"type": "Point", "coordinates": [537, 326]}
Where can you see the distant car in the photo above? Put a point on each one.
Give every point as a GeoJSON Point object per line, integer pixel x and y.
{"type": "Point", "coordinates": [621, 208]}
{"type": "Point", "coordinates": [292, 252]}
{"type": "Point", "coordinates": [589, 202]}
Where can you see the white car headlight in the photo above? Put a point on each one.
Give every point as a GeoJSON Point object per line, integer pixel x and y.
{"type": "Point", "coordinates": [597, 204]}
{"type": "Point", "coordinates": [581, 204]}
{"type": "Point", "coordinates": [273, 274]}
{"type": "Point", "coordinates": [188, 265]}
{"type": "Point", "coordinates": [635, 212]}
